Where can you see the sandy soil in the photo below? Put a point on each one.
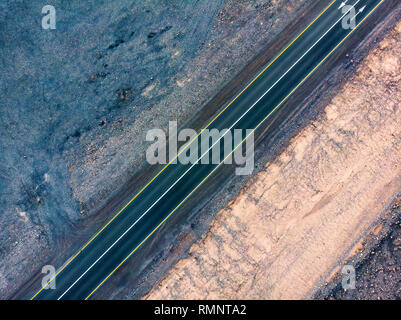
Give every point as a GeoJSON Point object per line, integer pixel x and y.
{"type": "Point", "coordinates": [270, 242]}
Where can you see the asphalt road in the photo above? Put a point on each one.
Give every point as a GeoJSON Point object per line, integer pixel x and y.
{"type": "Point", "coordinates": [118, 240]}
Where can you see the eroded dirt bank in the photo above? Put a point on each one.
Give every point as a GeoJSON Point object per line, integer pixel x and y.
{"type": "Point", "coordinates": [293, 225]}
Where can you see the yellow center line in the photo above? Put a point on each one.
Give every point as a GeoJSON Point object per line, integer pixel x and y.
{"type": "Point", "coordinates": [171, 161]}
{"type": "Point", "coordinates": [260, 123]}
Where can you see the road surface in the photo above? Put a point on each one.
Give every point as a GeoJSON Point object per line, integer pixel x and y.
{"type": "Point", "coordinates": [138, 220]}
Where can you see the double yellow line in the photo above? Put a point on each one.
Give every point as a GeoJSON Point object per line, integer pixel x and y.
{"type": "Point", "coordinates": [171, 161]}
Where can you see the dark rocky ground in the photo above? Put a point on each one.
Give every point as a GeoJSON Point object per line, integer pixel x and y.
{"type": "Point", "coordinates": [76, 103]}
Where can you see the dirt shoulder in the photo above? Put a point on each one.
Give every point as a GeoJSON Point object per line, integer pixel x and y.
{"type": "Point", "coordinates": [310, 209]}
